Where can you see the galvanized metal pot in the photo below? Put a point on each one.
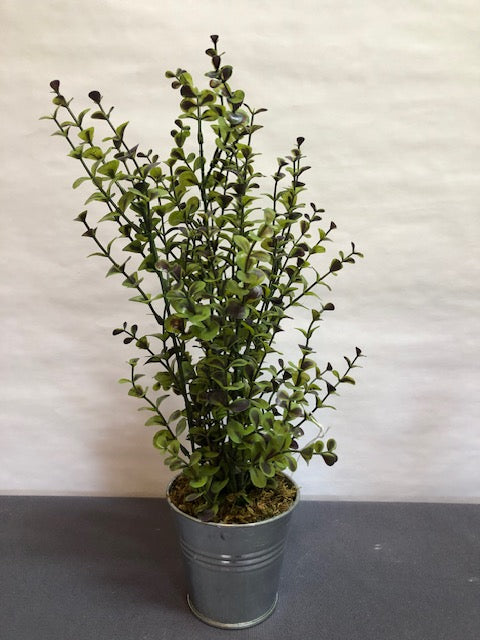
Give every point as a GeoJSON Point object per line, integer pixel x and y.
{"type": "Point", "coordinates": [233, 570]}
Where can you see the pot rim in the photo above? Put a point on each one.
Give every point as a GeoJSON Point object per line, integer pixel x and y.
{"type": "Point", "coordinates": [235, 524]}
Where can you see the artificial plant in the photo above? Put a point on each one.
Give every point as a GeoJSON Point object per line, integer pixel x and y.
{"type": "Point", "coordinates": [219, 262]}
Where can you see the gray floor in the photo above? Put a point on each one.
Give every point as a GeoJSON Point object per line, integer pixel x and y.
{"type": "Point", "coordinates": [109, 569]}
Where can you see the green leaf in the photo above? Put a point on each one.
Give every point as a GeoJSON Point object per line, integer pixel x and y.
{"type": "Point", "coordinates": [160, 399]}
{"type": "Point", "coordinates": [187, 105]}
{"type": "Point", "coordinates": [81, 217]}
{"type": "Point", "coordinates": [218, 485]}
{"type": "Point", "coordinates": [176, 217]}
{"type": "Point", "coordinates": [239, 362]}
{"type": "Point", "coordinates": [176, 465]}
{"type": "Point", "coordinates": [114, 270]}
{"type": "Point", "coordinates": [97, 196]}
{"type": "Point", "coordinates": [208, 329]}
{"type": "Point", "coordinates": [242, 242]}
{"type": "Point", "coordinates": [239, 405]}
{"type": "Point", "coordinates": [180, 426]}
{"type": "Point", "coordinates": [79, 181]}
{"type": "Point", "coordinates": [202, 313]}
{"type": "Point", "coordinates": [112, 217]}
{"type": "Point", "coordinates": [120, 130]}
{"type": "Point", "coordinates": [161, 439]}
{"type": "Point", "coordinates": [331, 445]}
{"type": "Point", "coordinates": [335, 265]}
{"type": "Point", "coordinates": [255, 416]}
{"type": "Point", "coordinates": [257, 477]}
{"type": "Point", "coordinates": [109, 168]}
{"type": "Point", "coordinates": [329, 458]}
{"type": "Point", "coordinates": [186, 179]}
{"type": "Point", "coordinates": [141, 299]}
{"type": "Point", "coordinates": [307, 453]}
{"type": "Point", "coordinates": [237, 97]}
{"type": "Point", "coordinates": [234, 431]}
{"type": "Point", "coordinates": [195, 458]}
{"type": "Point", "coordinates": [125, 200]}
{"type": "Point", "coordinates": [86, 134]}
{"type": "Point", "coordinates": [191, 497]}
{"type": "Point", "coordinates": [318, 446]}
{"type": "Point", "coordinates": [192, 205]}
{"type": "Point", "coordinates": [142, 343]}
{"type": "Point", "coordinates": [164, 379]}
{"type": "Point", "coordinates": [196, 288]}
{"type": "Point", "coordinates": [77, 152]}
{"type": "Point", "coordinates": [93, 153]}
{"type": "Point", "coordinates": [137, 391]}
{"type": "Point", "coordinates": [307, 364]}
{"type": "Point", "coordinates": [155, 420]}
{"type": "Point", "coordinates": [226, 72]}
{"type": "Point", "coordinates": [60, 101]}
{"type": "Point", "coordinates": [268, 469]}
{"type": "Point", "coordinates": [134, 247]}
{"type": "Point", "coordinates": [291, 462]}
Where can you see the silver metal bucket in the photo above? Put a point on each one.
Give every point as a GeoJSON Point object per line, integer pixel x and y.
{"type": "Point", "coordinates": [233, 570]}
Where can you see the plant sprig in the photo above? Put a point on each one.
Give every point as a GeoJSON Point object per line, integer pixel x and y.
{"type": "Point", "coordinates": [218, 265]}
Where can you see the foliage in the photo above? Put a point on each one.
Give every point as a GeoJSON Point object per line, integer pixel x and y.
{"type": "Point", "coordinates": [219, 266]}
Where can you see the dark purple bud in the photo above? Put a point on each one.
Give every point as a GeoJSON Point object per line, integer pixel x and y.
{"type": "Point", "coordinates": [177, 271]}
{"type": "Point", "coordinates": [214, 39]}
{"type": "Point", "coordinates": [95, 96]}
{"type": "Point", "coordinates": [236, 310]}
{"type": "Point", "coordinates": [162, 264]}
{"type": "Point", "coordinates": [55, 84]}
{"type": "Point", "coordinates": [300, 141]}
{"type": "Point", "coordinates": [254, 293]}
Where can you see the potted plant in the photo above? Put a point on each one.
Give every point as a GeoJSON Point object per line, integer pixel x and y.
{"type": "Point", "coordinates": [219, 263]}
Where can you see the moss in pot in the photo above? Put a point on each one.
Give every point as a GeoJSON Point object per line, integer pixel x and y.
{"type": "Point", "coordinates": [219, 256]}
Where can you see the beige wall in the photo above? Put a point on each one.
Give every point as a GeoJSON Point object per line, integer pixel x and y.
{"type": "Point", "coordinates": [387, 96]}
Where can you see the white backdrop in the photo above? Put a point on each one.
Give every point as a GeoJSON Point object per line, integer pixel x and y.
{"type": "Point", "coordinates": [387, 96]}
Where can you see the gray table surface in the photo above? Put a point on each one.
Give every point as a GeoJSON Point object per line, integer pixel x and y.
{"type": "Point", "coordinates": [110, 569]}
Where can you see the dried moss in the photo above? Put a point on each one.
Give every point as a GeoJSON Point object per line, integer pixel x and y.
{"type": "Point", "coordinates": [262, 503]}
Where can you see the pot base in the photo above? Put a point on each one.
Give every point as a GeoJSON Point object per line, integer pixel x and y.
{"type": "Point", "coordinates": [232, 625]}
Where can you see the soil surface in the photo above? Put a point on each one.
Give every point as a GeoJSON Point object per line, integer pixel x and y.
{"type": "Point", "coordinates": [261, 505]}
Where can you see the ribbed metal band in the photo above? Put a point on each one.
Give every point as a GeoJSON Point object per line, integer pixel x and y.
{"type": "Point", "coordinates": [243, 562]}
